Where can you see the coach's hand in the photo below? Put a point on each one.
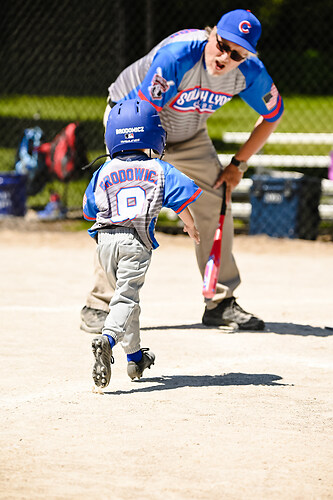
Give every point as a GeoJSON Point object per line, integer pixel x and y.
{"type": "Point", "coordinates": [231, 175]}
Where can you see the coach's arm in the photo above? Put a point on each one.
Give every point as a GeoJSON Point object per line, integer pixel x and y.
{"type": "Point", "coordinates": [231, 174]}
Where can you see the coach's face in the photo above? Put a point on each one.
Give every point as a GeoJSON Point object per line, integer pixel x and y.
{"type": "Point", "coordinates": [221, 55]}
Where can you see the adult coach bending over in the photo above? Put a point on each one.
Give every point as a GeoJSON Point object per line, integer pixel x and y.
{"type": "Point", "coordinates": [187, 77]}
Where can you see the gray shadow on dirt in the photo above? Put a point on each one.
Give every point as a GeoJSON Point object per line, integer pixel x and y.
{"type": "Point", "coordinates": [179, 381]}
{"type": "Point", "coordinates": [192, 326]}
{"type": "Point", "coordinates": [296, 329]}
{"type": "Point", "coordinates": [278, 328]}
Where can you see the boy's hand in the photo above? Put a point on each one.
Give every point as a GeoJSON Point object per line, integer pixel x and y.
{"type": "Point", "coordinates": [189, 226]}
{"type": "Point", "coordinates": [192, 232]}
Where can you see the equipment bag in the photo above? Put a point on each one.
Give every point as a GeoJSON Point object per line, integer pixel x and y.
{"type": "Point", "coordinates": [31, 161]}
{"type": "Point", "coordinates": [66, 154]}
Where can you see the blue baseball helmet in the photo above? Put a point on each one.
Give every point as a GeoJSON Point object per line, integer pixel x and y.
{"type": "Point", "coordinates": [134, 124]}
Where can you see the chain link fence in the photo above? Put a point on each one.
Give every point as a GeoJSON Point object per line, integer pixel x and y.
{"type": "Point", "coordinates": [59, 58]}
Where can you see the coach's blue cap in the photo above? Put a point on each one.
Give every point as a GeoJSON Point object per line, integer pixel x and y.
{"type": "Point", "coordinates": [241, 27]}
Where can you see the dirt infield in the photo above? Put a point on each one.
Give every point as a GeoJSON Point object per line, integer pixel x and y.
{"type": "Point", "coordinates": [220, 415]}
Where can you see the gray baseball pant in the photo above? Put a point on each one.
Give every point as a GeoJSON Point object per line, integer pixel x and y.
{"type": "Point", "coordinates": [125, 261]}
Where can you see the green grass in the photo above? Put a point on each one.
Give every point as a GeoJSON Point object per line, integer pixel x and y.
{"type": "Point", "coordinates": [74, 194]}
{"type": "Point", "coordinates": [53, 107]}
{"type": "Point", "coordinates": [7, 157]}
{"type": "Point", "coordinates": [302, 114]}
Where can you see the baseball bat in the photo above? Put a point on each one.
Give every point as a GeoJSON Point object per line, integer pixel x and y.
{"type": "Point", "coordinates": [214, 260]}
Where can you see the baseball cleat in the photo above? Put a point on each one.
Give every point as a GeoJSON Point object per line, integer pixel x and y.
{"type": "Point", "coordinates": [229, 313]}
{"type": "Point", "coordinates": [92, 320]}
{"type": "Point", "coordinates": [103, 359]}
{"type": "Point", "coordinates": [135, 370]}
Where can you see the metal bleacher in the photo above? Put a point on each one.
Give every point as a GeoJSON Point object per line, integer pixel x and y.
{"type": "Point", "coordinates": [242, 209]}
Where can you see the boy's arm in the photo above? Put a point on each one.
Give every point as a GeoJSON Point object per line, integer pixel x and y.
{"type": "Point", "coordinates": [179, 192]}
{"type": "Point", "coordinates": [90, 209]}
{"type": "Point", "coordinates": [189, 226]}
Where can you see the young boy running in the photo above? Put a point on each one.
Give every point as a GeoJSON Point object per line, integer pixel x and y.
{"type": "Point", "coordinates": [123, 199]}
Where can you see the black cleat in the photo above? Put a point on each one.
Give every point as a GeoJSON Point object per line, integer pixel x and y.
{"type": "Point", "coordinates": [229, 313]}
{"type": "Point", "coordinates": [103, 355]}
{"type": "Point", "coordinates": [136, 369]}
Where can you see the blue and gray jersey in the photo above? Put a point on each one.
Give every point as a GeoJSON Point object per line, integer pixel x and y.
{"type": "Point", "coordinates": [173, 77]}
{"type": "Point", "coordinates": [131, 191]}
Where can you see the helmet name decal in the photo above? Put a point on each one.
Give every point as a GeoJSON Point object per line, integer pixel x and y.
{"type": "Point", "coordinates": [129, 130]}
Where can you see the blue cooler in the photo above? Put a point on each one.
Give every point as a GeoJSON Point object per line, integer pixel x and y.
{"type": "Point", "coordinates": [12, 194]}
{"type": "Point", "coordinates": [285, 205]}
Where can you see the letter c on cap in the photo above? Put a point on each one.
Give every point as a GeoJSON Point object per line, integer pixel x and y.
{"type": "Point", "coordinates": [244, 26]}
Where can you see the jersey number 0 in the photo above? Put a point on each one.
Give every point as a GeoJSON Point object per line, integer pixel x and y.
{"type": "Point", "coordinates": [130, 203]}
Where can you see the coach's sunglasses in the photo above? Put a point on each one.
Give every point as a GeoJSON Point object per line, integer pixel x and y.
{"type": "Point", "coordinates": [224, 47]}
